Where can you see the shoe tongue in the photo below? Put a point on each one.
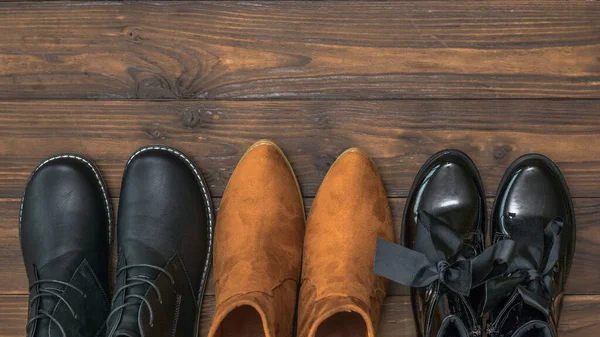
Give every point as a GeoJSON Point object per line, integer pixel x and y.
{"type": "Point", "coordinates": [128, 327]}
{"type": "Point", "coordinates": [60, 268]}
{"type": "Point", "coordinates": [534, 329]}
{"type": "Point", "coordinates": [521, 317]}
{"type": "Point", "coordinates": [452, 326]}
{"type": "Point", "coordinates": [138, 253]}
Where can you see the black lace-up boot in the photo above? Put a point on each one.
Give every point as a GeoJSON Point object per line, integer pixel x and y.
{"type": "Point", "coordinates": [443, 257]}
{"type": "Point", "coordinates": [65, 227]}
{"type": "Point", "coordinates": [534, 209]}
{"type": "Point", "coordinates": [164, 246]}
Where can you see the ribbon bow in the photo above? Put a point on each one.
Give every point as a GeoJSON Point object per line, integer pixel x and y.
{"type": "Point", "coordinates": [531, 271]}
{"type": "Point", "coordinates": [439, 257]}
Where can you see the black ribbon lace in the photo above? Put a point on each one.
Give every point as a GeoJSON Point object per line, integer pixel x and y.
{"type": "Point", "coordinates": [439, 258]}
{"type": "Point", "coordinates": [531, 272]}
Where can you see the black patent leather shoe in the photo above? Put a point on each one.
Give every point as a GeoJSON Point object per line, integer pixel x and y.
{"type": "Point", "coordinates": [534, 209]}
{"type": "Point", "coordinates": [164, 240]}
{"type": "Point", "coordinates": [443, 258]}
{"type": "Point", "coordinates": [64, 226]}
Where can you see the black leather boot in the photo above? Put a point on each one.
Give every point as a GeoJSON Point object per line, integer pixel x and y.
{"type": "Point", "coordinates": [64, 227]}
{"type": "Point", "coordinates": [534, 209]}
{"type": "Point", "coordinates": [164, 239]}
{"type": "Point", "coordinates": [443, 256]}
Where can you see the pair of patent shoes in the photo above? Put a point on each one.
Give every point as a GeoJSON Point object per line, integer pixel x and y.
{"type": "Point", "coordinates": [515, 287]}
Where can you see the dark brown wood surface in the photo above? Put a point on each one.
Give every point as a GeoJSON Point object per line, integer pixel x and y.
{"type": "Point", "coordinates": [399, 135]}
{"type": "Point", "coordinates": [400, 79]}
{"type": "Point", "coordinates": [292, 50]}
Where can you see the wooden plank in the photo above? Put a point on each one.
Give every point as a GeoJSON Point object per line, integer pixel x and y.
{"type": "Point", "coordinates": [579, 316]}
{"type": "Point", "coordinates": [300, 50]}
{"type": "Point", "coordinates": [12, 272]}
{"type": "Point", "coordinates": [399, 135]}
{"type": "Point", "coordinates": [584, 279]}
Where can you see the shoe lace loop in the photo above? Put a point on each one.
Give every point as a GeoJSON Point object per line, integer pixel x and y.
{"type": "Point", "coordinates": [54, 293]}
{"type": "Point", "coordinates": [531, 276]}
{"type": "Point", "coordinates": [134, 281]}
{"type": "Point", "coordinates": [438, 257]}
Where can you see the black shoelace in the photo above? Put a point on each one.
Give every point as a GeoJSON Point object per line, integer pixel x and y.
{"type": "Point", "coordinates": [133, 282]}
{"type": "Point", "coordinates": [438, 257]}
{"type": "Point", "coordinates": [55, 293]}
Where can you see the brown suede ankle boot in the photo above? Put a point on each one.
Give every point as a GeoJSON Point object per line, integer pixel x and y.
{"type": "Point", "coordinates": [340, 295]}
{"type": "Point", "coordinates": [258, 247]}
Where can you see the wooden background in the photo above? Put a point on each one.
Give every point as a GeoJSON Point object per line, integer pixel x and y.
{"type": "Point", "coordinates": [402, 80]}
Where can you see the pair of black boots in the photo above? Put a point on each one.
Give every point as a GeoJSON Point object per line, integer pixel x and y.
{"type": "Point", "coordinates": [164, 247]}
{"type": "Point", "coordinates": [515, 287]}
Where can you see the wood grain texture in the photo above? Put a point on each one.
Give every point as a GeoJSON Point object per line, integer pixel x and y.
{"type": "Point", "coordinates": [584, 277]}
{"type": "Point", "coordinates": [399, 135]}
{"type": "Point", "coordinates": [300, 50]}
{"type": "Point", "coordinates": [402, 80]}
{"type": "Point", "coordinates": [579, 316]}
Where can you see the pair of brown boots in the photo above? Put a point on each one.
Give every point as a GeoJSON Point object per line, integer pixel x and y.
{"type": "Point", "coordinates": [262, 240]}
